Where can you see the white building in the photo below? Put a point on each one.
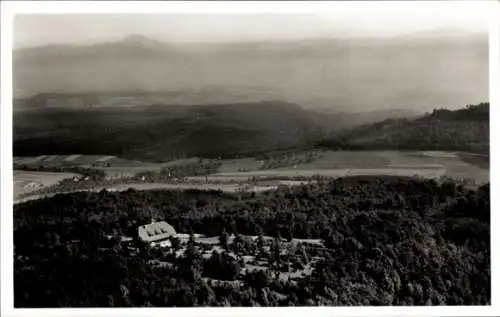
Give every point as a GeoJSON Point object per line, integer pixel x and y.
{"type": "Point", "coordinates": [156, 234]}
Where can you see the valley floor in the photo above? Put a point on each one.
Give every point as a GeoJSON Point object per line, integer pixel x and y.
{"type": "Point", "coordinates": [288, 168]}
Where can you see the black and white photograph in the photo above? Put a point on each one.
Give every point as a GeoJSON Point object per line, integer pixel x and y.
{"type": "Point", "coordinates": [333, 157]}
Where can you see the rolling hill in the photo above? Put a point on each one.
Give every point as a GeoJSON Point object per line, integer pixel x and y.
{"type": "Point", "coordinates": [465, 129]}
{"type": "Point", "coordinates": [160, 132]}
{"type": "Point", "coordinates": [153, 100]}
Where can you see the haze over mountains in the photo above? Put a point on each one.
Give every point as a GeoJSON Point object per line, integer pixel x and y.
{"type": "Point", "coordinates": [341, 75]}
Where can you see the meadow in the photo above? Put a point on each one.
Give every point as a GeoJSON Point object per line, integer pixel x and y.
{"type": "Point", "coordinates": [232, 173]}
{"type": "Point", "coordinates": [429, 164]}
{"type": "Point", "coordinates": [26, 181]}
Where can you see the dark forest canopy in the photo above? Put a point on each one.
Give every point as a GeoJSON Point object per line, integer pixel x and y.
{"type": "Point", "coordinates": [160, 132]}
{"type": "Point", "coordinates": [465, 129]}
{"type": "Point", "coordinates": [389, 241]}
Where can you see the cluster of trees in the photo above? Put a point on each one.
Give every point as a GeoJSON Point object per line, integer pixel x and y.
{"type": "Point", "coordinates": [388, 241]}
{"type": "Point", "coordinates": [479, 112]}
{"type": "Point", "coordinates": [69, 185]}
{"type": "Point", "coordinates": [91, 173]}
{"type": "Point", "coordinates": [222, 266]}
{"type": "Point", "coordinates": [290, 159]}
{"type": "Point", "coordinates": [93, 178]}
{"type": "Point", "coordinates": [199, 168]}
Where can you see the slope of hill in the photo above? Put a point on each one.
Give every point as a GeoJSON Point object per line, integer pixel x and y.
{"type": "Point", "coordinates": [161, 132]}
{"type": "Point", "coordinates": [460, 130]}
{"type": "Point", "coordinates": [130, 98]}
{"type": "Point", "coordinates": [332, 121]}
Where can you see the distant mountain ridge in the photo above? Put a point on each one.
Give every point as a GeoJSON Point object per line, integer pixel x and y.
{"type": "Point", "coordinates": [417, 73]}
{"type": "Point", "coordinates": [206, 96]}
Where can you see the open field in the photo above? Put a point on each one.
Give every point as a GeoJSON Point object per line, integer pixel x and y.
{"type": "Point", "coordinates": [26, 182]}
{"type": "Point", "coordinates": [232, 173]}
{"type": "Point", "coordinates": [348, 163]}
{"type": "Point", "coordinates": [240, 165]}
{"type": "Point", "coordinates": [77, 160]}
{"type": "Point", "coordinates": [365, 159]}
{"type": "Point", "coordinates": [455, 164]}
{"type": "Point", "coordinates": [114, 172]}
{"type": "Point", "coordinates": [115, 167]}
{"type": "Point", "coordinates": [242, 176]}
{"type": "Point", "coordinates": [118, 167]}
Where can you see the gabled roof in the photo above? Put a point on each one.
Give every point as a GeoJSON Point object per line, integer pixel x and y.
{"type": "Point", "coordinates": [155, 231]}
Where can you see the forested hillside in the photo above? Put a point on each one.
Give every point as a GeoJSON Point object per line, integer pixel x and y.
{"type": "Point", "coordinates": [160, 132]}
{"type": "Point", "coordinates": [388, 241]}
{"type": "Point", "coordinates": [460, 130]}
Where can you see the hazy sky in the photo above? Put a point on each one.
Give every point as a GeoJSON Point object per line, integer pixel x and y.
{"type": "Point", "coordinates": [347, 20]}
